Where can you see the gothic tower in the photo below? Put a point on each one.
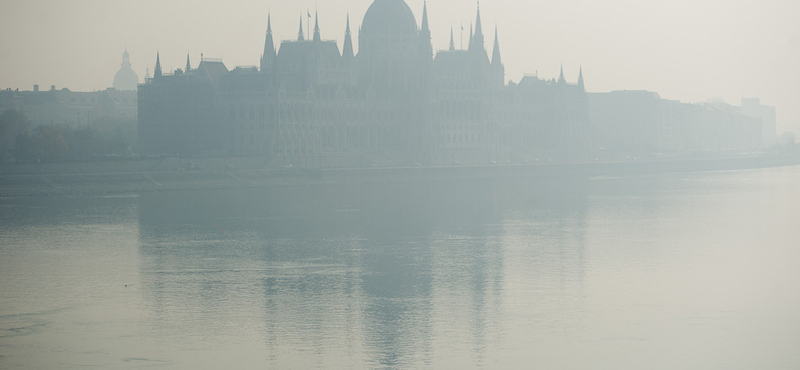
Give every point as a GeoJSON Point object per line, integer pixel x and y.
{"type": "Point", "coordinates": [268, 57]}
{"type": "Point", "coordinates": [157, 70]}
{"type": "Point", "coordinates": [476, 42]}
{"type": "Point", "coordinates": [300, 36]}
{"type": "Point", "coordinates": [498, 70]}
{"type": "Point", "coordinates": [425, 47]}
{"type": "Point", "coordinates": [317, 37]}
{"type": "Point", "coordinates": [347, 49]}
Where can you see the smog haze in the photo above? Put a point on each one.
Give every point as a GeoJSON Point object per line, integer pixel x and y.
{"type": "Point", "coordinates": [685, 50]}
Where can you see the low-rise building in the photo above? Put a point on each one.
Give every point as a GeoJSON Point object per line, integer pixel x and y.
{"type": "Point", "coordinates": [642, 123]}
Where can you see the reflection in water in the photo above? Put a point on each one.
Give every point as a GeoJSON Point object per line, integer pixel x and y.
{"type": "Point", "coordinates": [372, 276]}
{"type": "Point", "coordinates": [654, 272]}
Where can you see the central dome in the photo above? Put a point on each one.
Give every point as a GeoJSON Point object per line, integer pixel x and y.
{"type": "Point", "coordinates": [126, 79]}
{"type": "Point", "coordinates": [389, 18]}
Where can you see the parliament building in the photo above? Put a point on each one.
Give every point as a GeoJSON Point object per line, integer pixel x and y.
{"type": "Point", "coordinates": [394, 103]}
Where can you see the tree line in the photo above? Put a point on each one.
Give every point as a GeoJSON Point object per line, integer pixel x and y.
{"type": "Point", "coordinates": [23, 142]}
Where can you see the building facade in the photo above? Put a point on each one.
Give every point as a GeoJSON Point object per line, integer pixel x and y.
{"type": "Point", "coordinates": [396, 102]}
{"type": "Point", "coordinates": [752, 107]}
{"type": "Point", "coordinates": [641, 123]}
{"type": "Point", "coordinates": [71, 109]}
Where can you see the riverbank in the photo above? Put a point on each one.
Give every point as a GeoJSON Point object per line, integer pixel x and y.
{"type": "Point", "coordinates": [117, 177]}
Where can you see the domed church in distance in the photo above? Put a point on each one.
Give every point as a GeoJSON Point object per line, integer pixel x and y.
{"type": "Point", "coordinates": [309, 103]}
{"type": "Point", "coordinates": [126, 79]}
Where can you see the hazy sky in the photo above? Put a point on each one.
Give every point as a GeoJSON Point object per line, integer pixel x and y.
{"type": "Point", "coordinates": [690, 50]}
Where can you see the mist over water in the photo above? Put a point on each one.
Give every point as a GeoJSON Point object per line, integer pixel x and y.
{"type": "Point", "coordinates": [658, 272]}
{"type": "Point", "coordinates": [388, 192]}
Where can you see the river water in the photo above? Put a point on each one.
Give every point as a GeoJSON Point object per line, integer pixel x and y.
{"type": "Point", "coordinates": [671, 271]}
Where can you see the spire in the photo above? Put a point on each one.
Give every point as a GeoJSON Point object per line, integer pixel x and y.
{"type": "Point", "coordinates": [300, 36]}
{"type": "Point", "coordinates": [561, 78]}
{"type": "Point", "coordinates": [580, 80]}
{"type": "Point", "coordinates": [126, 58]}
{"type": "Point", "coordinates": [478, 29]}
{"type": "Point", "coordinates": [469, 46]}
{"type": "Point", "coordinates": [477, 39]}
{"type": "Point", "coordinates": [425, 28]}
{"type": "Point", "coordinates": [452, 43]}
{"type": "Point", "coordinates": [147, 74]}
{"type": "Point", "coordinates": [157, 70]}
{"type": "Point", "coordinates": [269, 47]}
{"type": "Point", "coordinates": [496, 50]}
{"type": "Point", "coordinates": [316, 26]}
{"type": "Point", "coordinates": [188, 63]}
{"type": "Point", "coordinates": [347, 49]}
{"type": "Point", "coordinates": [425, 47]}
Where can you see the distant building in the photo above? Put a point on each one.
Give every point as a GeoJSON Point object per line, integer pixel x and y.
{"type": "Point", "coordinates": [630, 121]}
{"type": "Point", "coordinates": [10, 99]}
{"type": "Point", "coordinates": [394, 103]}
{"type": "Point", "coordinates": [126, 79]}
{"type": "Point", "coordinates": [787, 138]}
{"type": "Point", "coordinates": [720, 127]}
{"type": "Point", "coordinates": [397, 102]}
{"type": "Point", "coordinates": [640, 122]}
{"type": "Point", "coordinates": [752, 107]}
{"type": "Point", "coordinates": [180, 113]}
{"type": "Point", "coordinates": [72, 109]}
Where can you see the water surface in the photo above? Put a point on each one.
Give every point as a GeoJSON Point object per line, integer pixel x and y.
{"type": "Point", "coordinates": [673, 271]}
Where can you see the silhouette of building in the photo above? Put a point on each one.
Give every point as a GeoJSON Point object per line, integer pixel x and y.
{"type": "Point", "coordinates": [767, 115]}
{"type": "Point", "coordinates": [126, 79]}
{"type": "Point", "coordinates": [640, 123]}
{"type": "Point", "coordinates": [71, 109]}
{"type": "Point", "coordinates": [396, 102]}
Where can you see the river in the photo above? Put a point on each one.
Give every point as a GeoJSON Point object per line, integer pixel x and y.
{"type": "Point", "coordinates": [666, 271]}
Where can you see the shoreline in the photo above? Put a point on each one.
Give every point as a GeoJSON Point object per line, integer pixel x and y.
{"type": "Point", "coordinates": [73, 179]}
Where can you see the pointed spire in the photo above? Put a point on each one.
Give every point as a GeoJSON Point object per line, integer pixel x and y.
{"type": "Point", "coordinates": [425, 18]}
{"type": "Point", "coordinates": [425, 47]}
{"type": "Point", "coordinates": [316, 27]}
{"type": "Point", "coordinates": [300, 36]}
{"type": "Point", "coordinates": [452, 43]}
{"type": "Point", "coordinates": [477, 42]}
{"type": "Point", "coordinates": [561, 78]}
{"type": "Point", "coordinates": [269, 47]}
{"type": "Point", "coordinates": [496, 50]}
{"type": "Point", "coordinates": [580, 80]}
{"type": "Point", "coordinates": [147, 74]}
{"type": "Point", "coordinates": [347, 49]}
{"type": "Point", "coordinates": [188, 63]}
{"type": "Point", "coordinates": [157, 71]}
{"type": "Point", "coordinates": [478, 29]}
